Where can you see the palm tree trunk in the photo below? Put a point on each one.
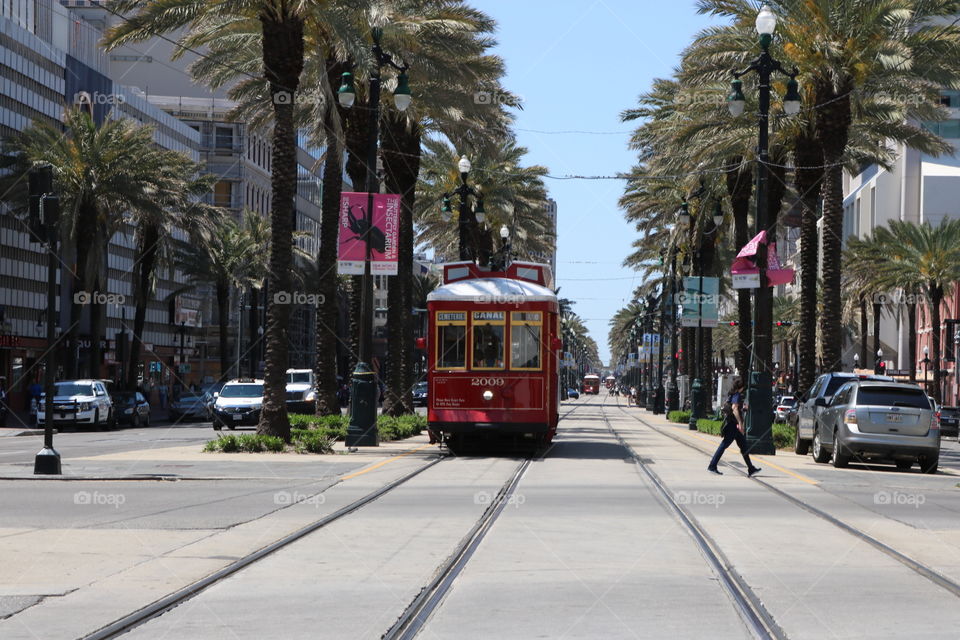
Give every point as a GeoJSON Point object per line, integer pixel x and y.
{"type": "Point", "coordinates": [357, 134]}
{"type": "Point", "coordinates": [936, 298]}
{"type": "Point", "coordinates": [223, 318]}
{"type": "Point", "coordinates": [144, 264]}
{"type": "Point", "coordinates": [863, 330]}
{"type": "Point", "coordinates": [833, 126]}
{"type": "Point", "coordinates": [325, 366]}
{"type": "Point", "coordinates": [282, 63]}
{"type": "Point", "coordinates": [253, 321]}
{"type": "Point", "coordinates": [401, 172]}
{"type": "Point", "coordinates": [808, 178]}
{"type": "Point", "coordinates": [84, 240]}
{"type": "Point", "coordinates": [876, 327]}
{"type": "Point", "coordinates": [740, 188]}
{"type": "Point", "coordinates": [912, 339]}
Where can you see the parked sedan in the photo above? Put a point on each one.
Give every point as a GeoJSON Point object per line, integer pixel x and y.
{"type": "Point", "coordinates": [189, 405]}
{"type": "Point", "coordinates": [420, 394]}
{"type": "Point", "coordinates": [783, 408]}
{"type": "Point", "coordinates": [131, 408]}
{"type": "Point", "coordinates": [869, 420]}
{"type": "Point", "coordinates": [950, 421]}
{"type": "Point", "coordinates": [573, 393]}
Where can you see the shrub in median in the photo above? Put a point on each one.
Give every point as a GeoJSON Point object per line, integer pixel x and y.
{"type": "Point", "coordinates": [682, 417]}
{"type": "Point", "coordinates": [313, 441]}
{"type": "Point", "coordinates": [249, 442]}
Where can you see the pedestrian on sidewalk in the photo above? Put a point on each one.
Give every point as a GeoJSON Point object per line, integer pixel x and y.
{"type": "Point", "coordinates": [3, 402]}
{"type": "Point", "coordinates": [733, 429]}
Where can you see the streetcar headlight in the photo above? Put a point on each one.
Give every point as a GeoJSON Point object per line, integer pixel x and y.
{"type": "Point", "coordinates": [488, 395]}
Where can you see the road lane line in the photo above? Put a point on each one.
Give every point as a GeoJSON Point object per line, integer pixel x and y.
{"type": "Point", "coordinates": [383, 462]}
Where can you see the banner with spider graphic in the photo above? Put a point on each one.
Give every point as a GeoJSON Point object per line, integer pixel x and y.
{"type": "Point", "coordinates": [383, 230]}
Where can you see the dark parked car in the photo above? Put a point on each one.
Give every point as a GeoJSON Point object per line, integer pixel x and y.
{"type": "Point", "coordinates": [420, 394]}
{"type": "Point", "coordinates": [573, 393]}
{"type": "Point", "coordinates": [818, 396]}
{"type": "Point", "coordinates": [869, 419]}
{"type": "Point", "coordinates": [130, 407]}
{"type": "Point", "coordinates": [950, 421]}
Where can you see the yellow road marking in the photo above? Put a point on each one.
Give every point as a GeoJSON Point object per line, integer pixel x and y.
{"type": "Point", "coordinates": [766, 461]}
{"type": "Point", "coordinates": [383, 462]}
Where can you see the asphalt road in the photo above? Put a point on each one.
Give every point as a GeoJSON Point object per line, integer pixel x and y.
{"type": "Point", "coordinates": [585, 548]}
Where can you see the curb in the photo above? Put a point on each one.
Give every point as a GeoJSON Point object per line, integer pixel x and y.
{"type": "Point", "coordinates": [23, 432]}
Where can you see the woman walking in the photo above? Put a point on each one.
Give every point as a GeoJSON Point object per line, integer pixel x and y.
{"type": "Point", "coordinates": [733, 429]}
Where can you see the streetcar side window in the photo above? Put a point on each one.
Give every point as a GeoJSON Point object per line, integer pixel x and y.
{"type": "Point", "coordinates": [488, 343]}
{"type": "Point", "coordinates": [525, 331]}
{"type": "Point", "coordinates": [451, 339]}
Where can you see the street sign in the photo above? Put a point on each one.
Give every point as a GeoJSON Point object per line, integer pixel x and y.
{"type": "Point", "coordinates": [699, 302]}
{"type": "Point", "coordinates": [746, 280]}
{"type": "Point", "coordinates": [650, 346]}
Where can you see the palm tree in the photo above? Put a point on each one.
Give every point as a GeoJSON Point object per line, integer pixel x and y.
{"type": "Point", "coordinates": [282, 53]}
{"type": "Point", "coordinates": [177, 204]}
{"type": "Point", "coordinates": [922, 258]}
{"type": "Point", "coordinates": [103, 174]}
{"type": "Point", "coordinates": [220, 259]}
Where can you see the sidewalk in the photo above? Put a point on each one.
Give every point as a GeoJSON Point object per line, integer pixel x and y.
{"type": "Point", "coordinates": [20, 423]}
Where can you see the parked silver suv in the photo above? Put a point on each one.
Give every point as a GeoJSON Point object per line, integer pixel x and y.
{"type": "Point", "coordinates": [868, 420]}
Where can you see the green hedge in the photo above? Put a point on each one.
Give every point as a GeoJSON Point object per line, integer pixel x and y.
{"type": "Point", "coordinates": [335, 426]}
{"type": "Point", "coordinates": [783, 434]}
{"type": "Point", "coordinates": [682, 417]}
{"type": "Point", "coordinates": [247, 442]}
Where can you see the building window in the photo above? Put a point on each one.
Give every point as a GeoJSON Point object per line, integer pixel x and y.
{"type": "Point", "coordinates": [224, 138]}
{"type": "Point", "coordinates": [223, 194]}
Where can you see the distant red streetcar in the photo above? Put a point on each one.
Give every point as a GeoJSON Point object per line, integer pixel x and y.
{"type": "Point", "coordinates": [591, 383]}
{"type": "Point", "coordinates": [493, 353]}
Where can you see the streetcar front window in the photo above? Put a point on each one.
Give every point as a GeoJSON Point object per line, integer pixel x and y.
{"type": "Point", "coordinates": [451, 339]}
{"type": "Point", "coordinates": [488, 339]}
{"type": "Point", "coordinates": [525, 340]}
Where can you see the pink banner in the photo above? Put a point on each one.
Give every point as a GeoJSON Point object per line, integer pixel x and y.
{"type": "Point", "coordinates": [745, 263]}
{"type": "Point", "coordinates": [384, 233]}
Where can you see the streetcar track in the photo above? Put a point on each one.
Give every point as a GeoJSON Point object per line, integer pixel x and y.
{"type": "Point", "coordinates": [917, 567]}
{"type": "Point", "coordinates": [178, 597]}
{"type": "Point", "coordinates": [748, 605]}
{"type": "Point", "coordinates": [419, 611]}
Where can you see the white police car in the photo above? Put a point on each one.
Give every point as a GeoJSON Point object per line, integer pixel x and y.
{"type": "Point", "coordinates": [239, 403]}
{"type": "Point", "coordinates": [301, 391]}
{"type": "Point", "coordinates": [79, 402]}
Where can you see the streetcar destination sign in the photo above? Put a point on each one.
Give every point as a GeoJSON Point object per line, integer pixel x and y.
{"type": "Point", "coordinates": [452, 316]}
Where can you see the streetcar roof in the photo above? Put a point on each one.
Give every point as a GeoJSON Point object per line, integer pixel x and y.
{"type": "Point", "coordinates": [493, 291]}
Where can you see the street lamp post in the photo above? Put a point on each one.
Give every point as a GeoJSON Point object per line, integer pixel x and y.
{"type": "Point", "coordinates": [856, 361]}
{"type": "Point", "coordinates": [469, 217]}
{"type": "Point", "coordinates": [362, 431]}
{"type": "Point", "coordinates": [673, 390]}
{"type": "Point", "coordinates": [760, 397]}
{"type": "Point", "coordinates": [44, 214]}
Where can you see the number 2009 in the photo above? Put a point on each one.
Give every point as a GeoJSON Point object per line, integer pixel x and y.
{"type": "Point", "coordinates": [487, 382]}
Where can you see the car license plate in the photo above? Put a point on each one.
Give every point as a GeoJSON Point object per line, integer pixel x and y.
{"type": "Point", "coordinates": [894, 417]}
{"type": "Point", "coordinates": [237, 416]}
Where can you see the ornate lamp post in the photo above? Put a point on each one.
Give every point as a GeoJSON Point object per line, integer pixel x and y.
{"type": "Point", "coordinates": [363, 393]}
{"type": "Point", "coordinates": [469, 217]}
{"type": "Point", "coordinates": [760, 396]}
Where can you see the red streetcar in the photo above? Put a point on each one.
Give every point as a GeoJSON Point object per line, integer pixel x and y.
{"type": "Point", "coordinates": [493, 353]}
{"type": "Point", "coordinates": [591, 383]}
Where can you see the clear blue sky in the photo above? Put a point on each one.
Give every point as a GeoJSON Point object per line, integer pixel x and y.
{"type": "Point", "coordinates": [577, 64]}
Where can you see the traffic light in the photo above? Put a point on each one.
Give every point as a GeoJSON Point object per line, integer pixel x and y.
{"type": "Point", "coordinates": [44, 211]}
{"type": "Point", "coordinates": [882, 368]}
